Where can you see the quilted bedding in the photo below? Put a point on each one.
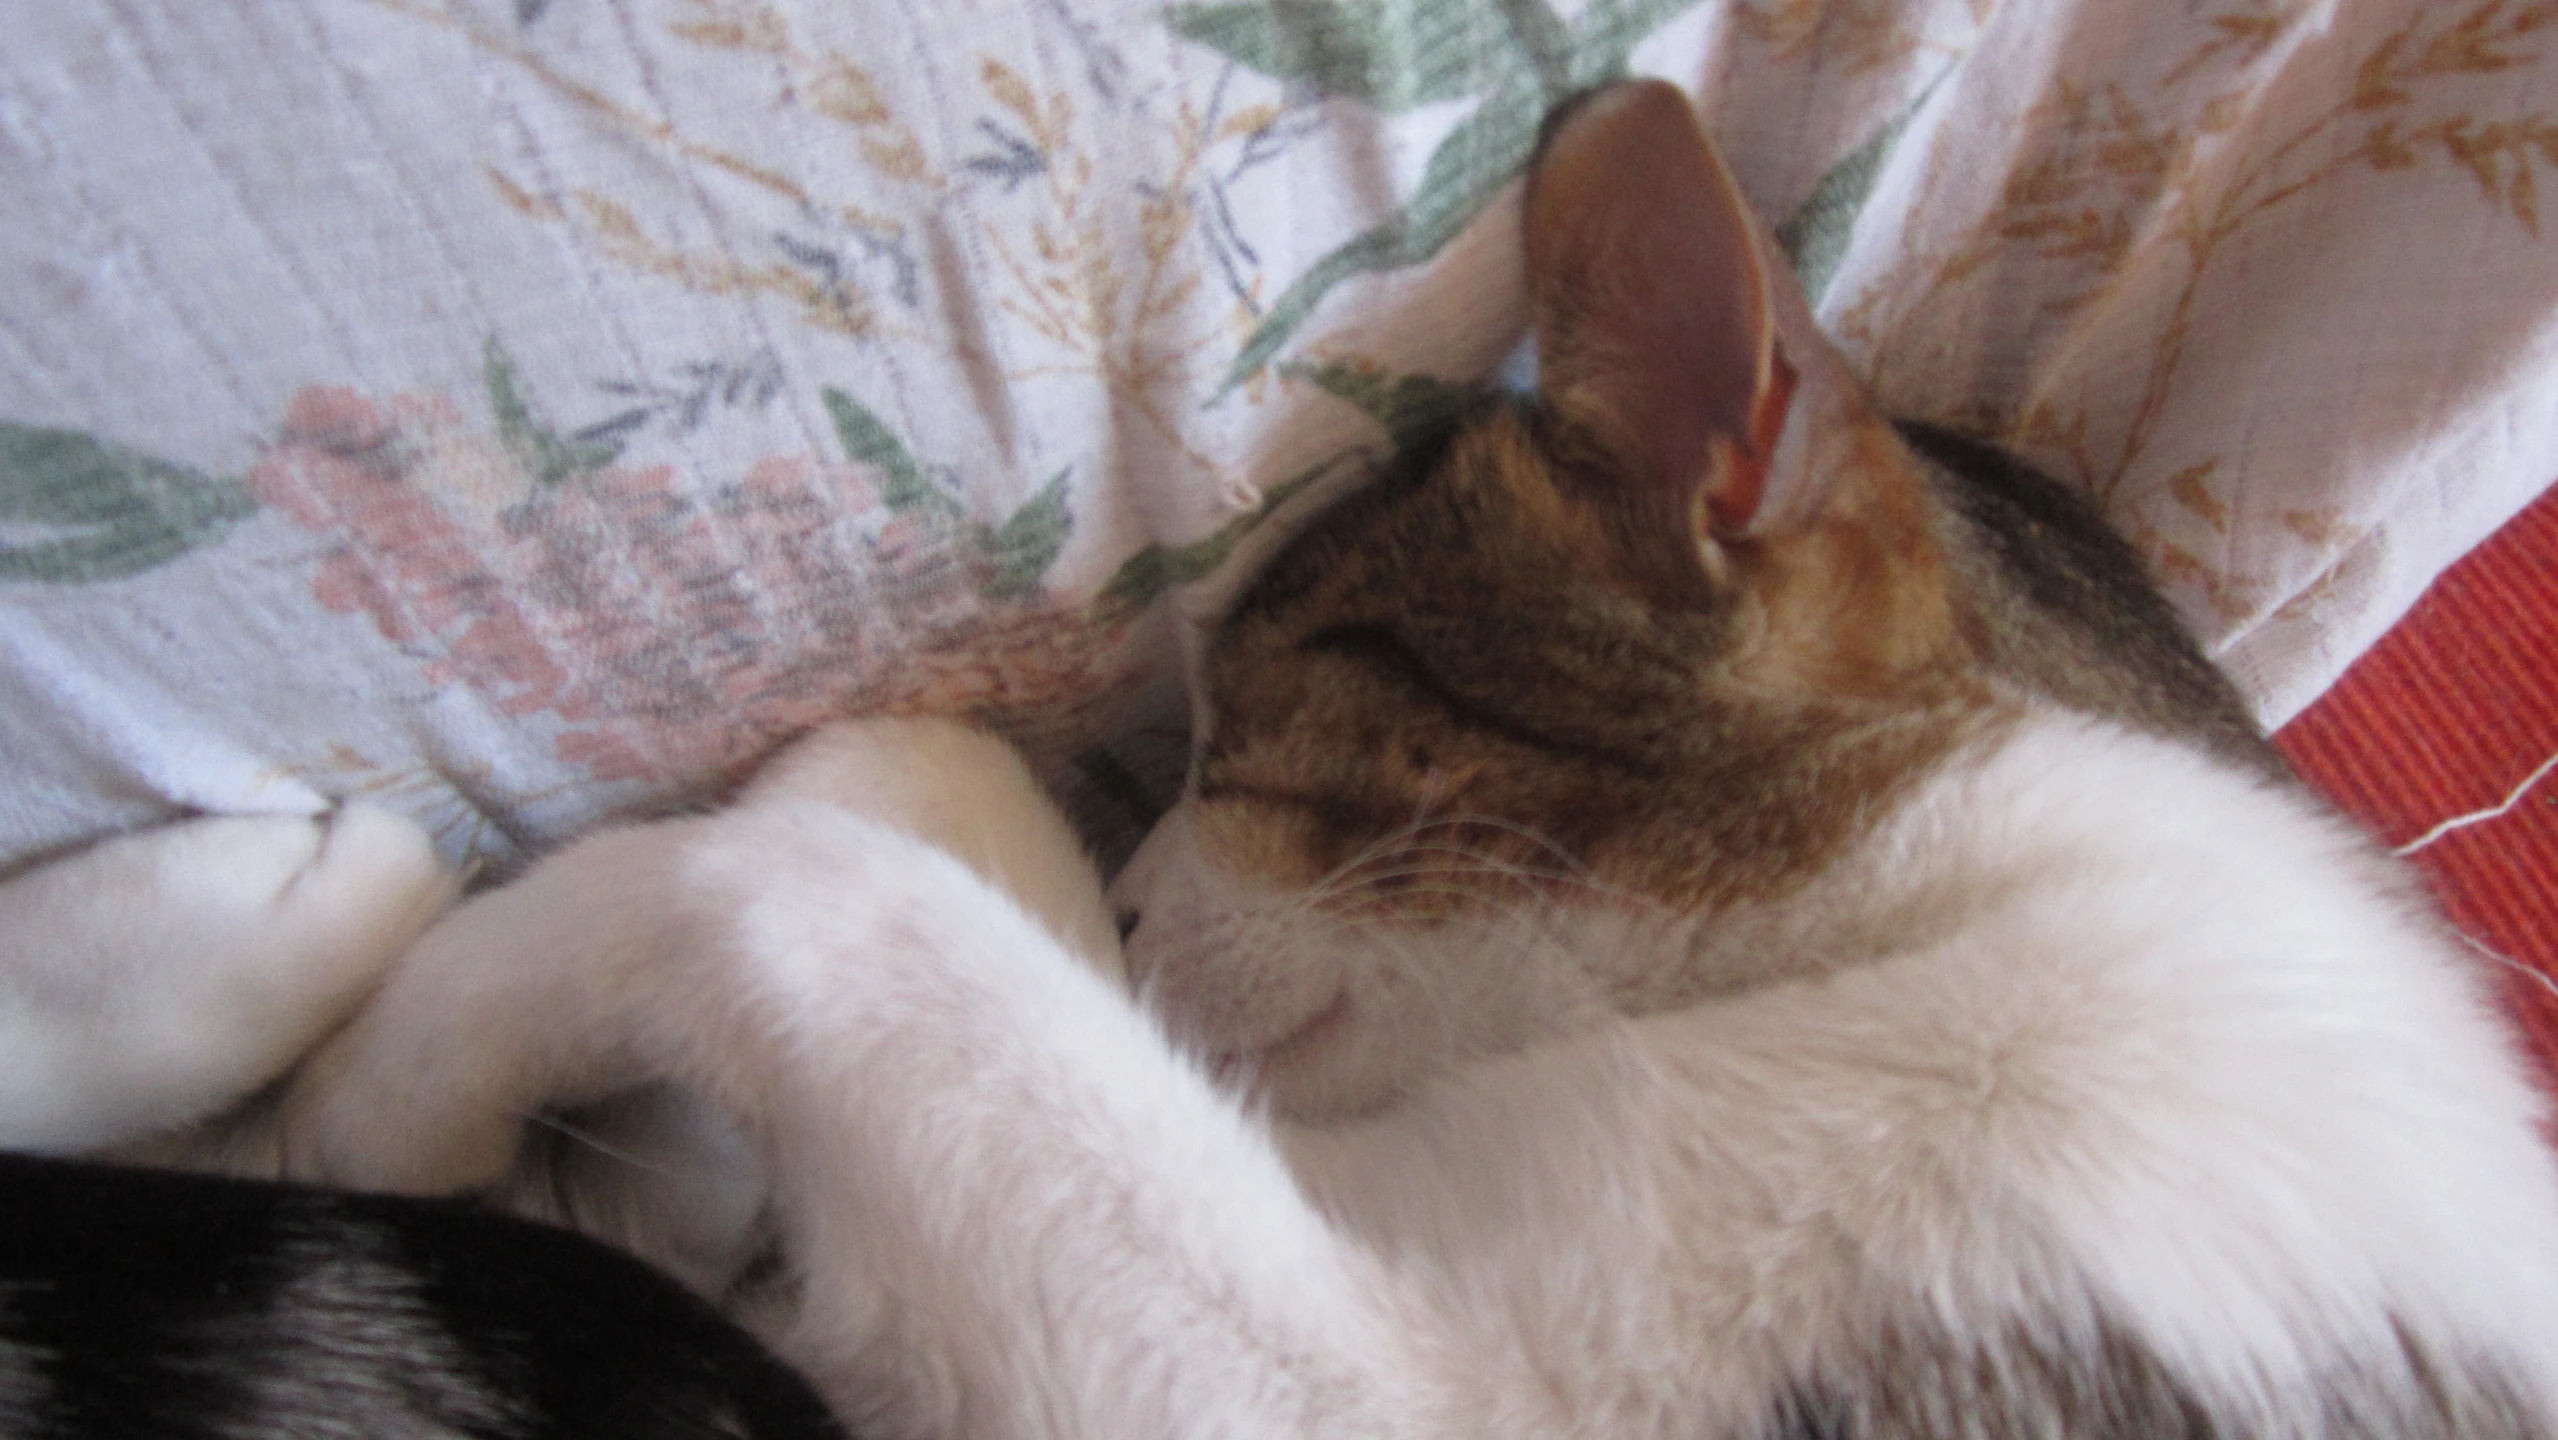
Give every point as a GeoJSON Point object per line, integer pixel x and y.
{"type": "Point", "coordinates": [523, 411]}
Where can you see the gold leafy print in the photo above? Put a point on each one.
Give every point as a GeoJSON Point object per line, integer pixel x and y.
{"type": "Point", "coordinates": [2078, 199]}
{"type": "Point", "coordinates": [726, 161]}
{"type": "Point", "coordinates": [1077, 282]}
{"type": "Point", "coordinates": [2388, 82]}
{"type": "Point", "coordinates": [1861, 35]}
{"type": "Point", "coordinates": [830, 302]}
{"type": "Point", "coordinates": [828, 83]}
{"type": "Point", "coordinates": [2191, 488]}
{"type": "Point", "coordinates": [2324, 527]}
{"type": "Point", "coordinates": [1858, 36]}
{"type": "Point", "coordinates": [1097, 272]}
{"type": "Point", "coordinates": [827, 293]}
{"type": "Point", "coordinates": [2119, 184]}
{"type": "Point", "coordinates": [2239, 39]}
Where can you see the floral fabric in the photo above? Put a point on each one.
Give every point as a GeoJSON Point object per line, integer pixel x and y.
{"type": "Point", "coordinates": [523, 411]}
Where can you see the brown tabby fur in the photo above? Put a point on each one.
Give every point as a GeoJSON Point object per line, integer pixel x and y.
{"type": "Point", "coordinates": [1468, 646]}
{"type": "Point", "coordinates": [1591, 633]}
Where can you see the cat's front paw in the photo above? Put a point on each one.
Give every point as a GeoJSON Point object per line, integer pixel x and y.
{"type": "Point", "coordinates": [965, 792]}
{"type": "Point", "coordinates": [658, 1171]}
{"type": "Point", "coordinates": [525, 1000]}
{"type": "Point", "coordinates": [157, 978]}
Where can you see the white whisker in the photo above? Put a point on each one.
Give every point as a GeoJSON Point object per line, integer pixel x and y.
{"type": "Point", "coordinates": [595, 1143]}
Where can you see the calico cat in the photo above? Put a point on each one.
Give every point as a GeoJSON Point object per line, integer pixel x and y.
{"type": "Point", "coordinates": [1695, 913]}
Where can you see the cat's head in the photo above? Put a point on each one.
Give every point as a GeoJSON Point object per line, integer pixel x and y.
{"type": "Point", "coordinates": [1655, 645]}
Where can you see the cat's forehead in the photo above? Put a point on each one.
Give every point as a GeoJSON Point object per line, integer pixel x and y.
{"type": "Point", "coordinates": [1484, 527]}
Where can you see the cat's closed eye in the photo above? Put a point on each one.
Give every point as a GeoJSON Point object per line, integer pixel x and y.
{"type": "Point", "coordinates": [1379, 649]}
{"type": "Point", "coordinates": [1360, 641]}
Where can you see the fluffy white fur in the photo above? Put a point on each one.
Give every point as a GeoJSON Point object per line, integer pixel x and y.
{"type": "Point", "coordinates": [152, 980]}
{"type": "Point", "coordinates": [2126, 1035]}
{"type": "Point", "coordinates": [1014, 1209]}
{"type": "Point", "coordinates": [2114, 1030]}
{"type": "Point", "coordinates": [2132, 1035]}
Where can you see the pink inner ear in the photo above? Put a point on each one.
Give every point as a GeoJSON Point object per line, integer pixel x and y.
{"type": "Point", "coordinates": [1739, 478]}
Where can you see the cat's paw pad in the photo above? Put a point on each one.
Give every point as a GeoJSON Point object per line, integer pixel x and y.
{"type": "Point", "coordinates": [963, 791]}
{"type": "Point", "coordinates": [159, 977]}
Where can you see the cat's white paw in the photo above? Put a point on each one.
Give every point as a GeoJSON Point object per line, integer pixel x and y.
{"type": "Point", "coordinates": [963, 791]}
{"type": "Point", "coordinates": [659, 1172]}
{"type": "Point", "coordinates": [157, 978]}
{"type": "Point", "coordinates": [511, 1004]}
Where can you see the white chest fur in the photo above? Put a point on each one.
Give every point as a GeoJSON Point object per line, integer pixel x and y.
{"type": "Point", "coordinates": [2105, 1030]}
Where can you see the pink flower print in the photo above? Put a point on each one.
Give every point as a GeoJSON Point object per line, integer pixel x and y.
{"type": "Point", "coordinates": [678, 629]}
{"type": "Point", "coordinates": [347, 467]}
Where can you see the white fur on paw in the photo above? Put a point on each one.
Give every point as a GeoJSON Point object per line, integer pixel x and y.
{"type": "Point", "coordinates": [160, 977]}
{"type": "Point", "coordinates": [963, 791]}
{"type": "Point", "coordinates": [659, 1172]}
{"type": "Point", "coordinates": [509, 1005]}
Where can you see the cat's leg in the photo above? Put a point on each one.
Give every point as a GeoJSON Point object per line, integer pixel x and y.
{"type": "Point", "coordinates": [623, 902]}
{"type": "Point", "coordinates": [1013, 1208]}
{"type": "Point", "coordinates": [658, 1172]}
{"type": "Point", "coordinates": [157, 978]}
{"type": "Point", "coordinates": [963, 791]}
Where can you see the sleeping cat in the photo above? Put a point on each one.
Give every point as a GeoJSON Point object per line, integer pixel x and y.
{"type": "Point", "coordinates": [1695, 913]}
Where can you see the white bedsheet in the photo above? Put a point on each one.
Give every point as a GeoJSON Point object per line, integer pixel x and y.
{"type": "Point", "coordinates": [520, 411]}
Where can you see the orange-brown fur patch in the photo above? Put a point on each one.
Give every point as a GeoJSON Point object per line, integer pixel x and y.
{"type": "Point", "coordinates": [1856, 601]}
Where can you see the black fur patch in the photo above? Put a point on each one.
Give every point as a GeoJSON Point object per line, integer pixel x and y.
{"type": "Point", "coordinates": [2081, 621]}
{"type": "Point", "coordinates": [1916, 1383]}
{"type": "Point", "coordinates": [147, 1303]}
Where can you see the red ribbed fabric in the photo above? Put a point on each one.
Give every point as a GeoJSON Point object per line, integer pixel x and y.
{"type": "Point", "coordinates": [2452, 711]}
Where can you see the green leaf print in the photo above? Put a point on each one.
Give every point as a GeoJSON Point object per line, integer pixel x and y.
{"type": "Point", "coordinates": [75, 509]}
{"type": "Point", "coordinates": [869, 441]}
{"type": "Point", "coordinates": [1480, 156]}
{"type": "Point", "coordinates": [1015, 554]}
{"type": "Point", "coordinates": [1390, 54]}
{"type": "Point", "coordinates": [1383, 248]}
{"type": "Point", "coordinates": [1815, 236]}
{"type": "Point", "coordinates": [1157, 568]}
{"type": "Point", "coordinates": [537, 446]}
{"type": "Point", "coordinates": [1519, 55]}
{"type": "Point", "coordinates": [1022, 547]}
{"type": "Point", "coordinates": [1416, 410]}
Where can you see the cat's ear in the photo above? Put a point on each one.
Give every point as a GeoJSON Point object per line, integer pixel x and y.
{"type": "Point", "coordinates": [1656, 341]}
